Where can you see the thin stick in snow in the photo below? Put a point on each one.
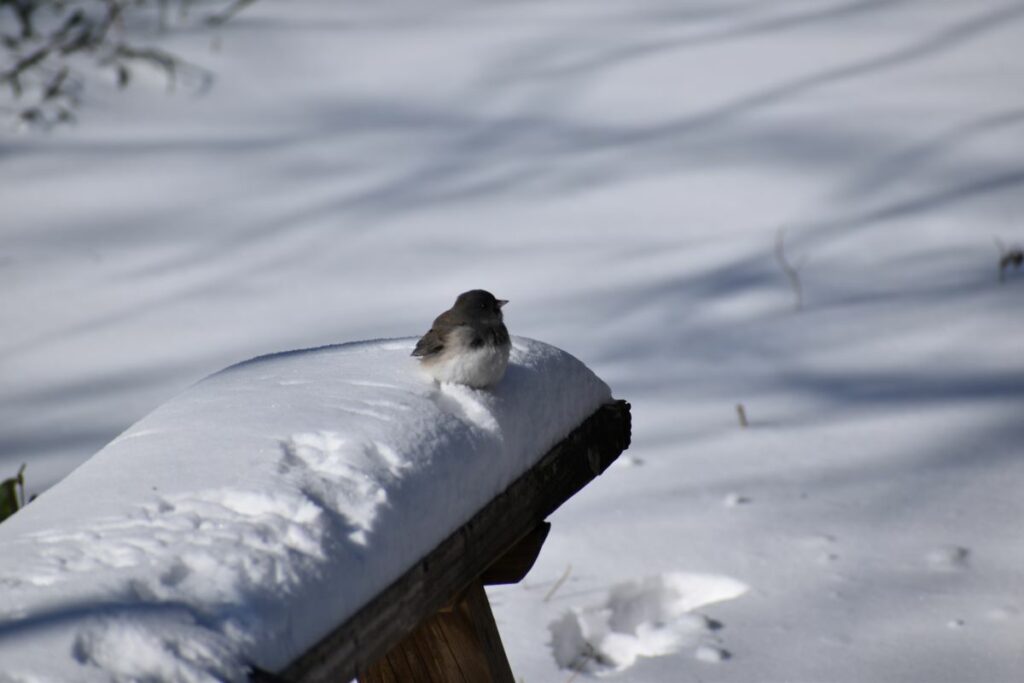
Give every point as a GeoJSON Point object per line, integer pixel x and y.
{"type": "Point", "coordinates": [741, 413]}
{"type": "Point", "coordinates": [789, 270]}
{"type": "Point", "coordinates": [558, 584]}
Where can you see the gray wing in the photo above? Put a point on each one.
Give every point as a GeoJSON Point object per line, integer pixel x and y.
{"type": "Point", "coordinates": [433, 342]}
{"type": "Point", "coordinates": [429, 344]}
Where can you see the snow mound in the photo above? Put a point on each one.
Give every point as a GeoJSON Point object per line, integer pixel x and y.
{"type": "Point", "coordinates": [239, 522]}
{"type": "Point", "coordinates": [647, 618]}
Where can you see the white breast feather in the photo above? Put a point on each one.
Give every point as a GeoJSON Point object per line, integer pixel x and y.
{"type": "Point", "coordinates": [478, 368]}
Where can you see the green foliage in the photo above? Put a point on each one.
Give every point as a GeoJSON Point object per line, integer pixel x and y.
{"type": "Point", "coordinates": [9, 498]}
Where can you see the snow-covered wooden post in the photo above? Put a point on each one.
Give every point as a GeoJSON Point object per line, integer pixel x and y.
{"type": "Point", "coordinates": [433, 623]}
{"type": "Point", "coordinates": [297, 516]}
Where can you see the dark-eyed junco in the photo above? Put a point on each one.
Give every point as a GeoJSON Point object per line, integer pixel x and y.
{"type": "Point", "coordinates": [468, 343]}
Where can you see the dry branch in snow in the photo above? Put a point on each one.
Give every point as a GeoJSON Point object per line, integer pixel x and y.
{"type": "Point", "coordinates": [53, 44]}
{"type": "Point", "coordinates": [792, 273]}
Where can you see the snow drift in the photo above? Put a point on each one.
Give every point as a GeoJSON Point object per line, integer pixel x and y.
{"type": "Point", "coordinates": [242, 520]}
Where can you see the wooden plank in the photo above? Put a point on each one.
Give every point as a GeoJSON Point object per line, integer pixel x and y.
{"type": "Point", "coordinates": [433, 581]}
{"type": "Point", "coordinates": [477, 611]}
{"type": "Point", "coordinates": [518, 560]}
{"type": "Point", "coordinates": [455, 646]}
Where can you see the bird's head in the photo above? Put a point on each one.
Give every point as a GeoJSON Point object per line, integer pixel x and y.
{"type": "Point", "coordinates": [480, 304]}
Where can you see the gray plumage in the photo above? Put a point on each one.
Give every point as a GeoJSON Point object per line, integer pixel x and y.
{"type": "Point", "coordinates": [468, 343]}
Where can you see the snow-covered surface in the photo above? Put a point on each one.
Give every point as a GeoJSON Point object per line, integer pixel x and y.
{"type": "Point", "coordinates": [617, 170]}
{"type": "Point", "coordinates": [649, 618]}
{"type": "Point", "coordinates": [241, 521]}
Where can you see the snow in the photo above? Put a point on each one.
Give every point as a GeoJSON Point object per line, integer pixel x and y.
{"type": "Point", "coordinates": [245, 518]}
{"type": "Point", "coordinates": [619, 171]}
{"type": "Point", "coordinates": [648, 618]}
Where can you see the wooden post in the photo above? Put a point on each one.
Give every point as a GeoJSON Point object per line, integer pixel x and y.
{"type": "Point", "coordinates": [454, 572]}
{"type": "Point", "coordinates": [460, 645]}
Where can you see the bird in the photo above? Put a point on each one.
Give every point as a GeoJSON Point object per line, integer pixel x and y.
{"type": "Point", "coordinates": [467, 344]}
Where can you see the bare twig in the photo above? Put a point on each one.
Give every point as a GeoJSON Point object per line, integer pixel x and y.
{"type": "Point", "coordinates": [40, 69]}
{"type": "Point", "coordinates": [741, 413]}
{"type": "Point", "coordinates": [21, 483]}
{"type": "Point", "coordinates": [23, 10]}
{"type": "Point", "coordinates": [56, 84]}
{"type": "Point", "coordinates": [791, 273]}
{"type": "Point", "coordinates": [226, 15]}
{"type": "Point", "coordinates": [558, 584]}
{"type": "Point", "coordinates": [158, 58]}
{"type": "Point", "coordinates": [13, 75]}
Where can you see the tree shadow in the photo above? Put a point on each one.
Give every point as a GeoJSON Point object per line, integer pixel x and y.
{"type": "Point", "coordinates": [744, 21]}
{"type": "Point", "coordinates": [463, 157]}
{"type": "Point", "coordinates": [537, 153]}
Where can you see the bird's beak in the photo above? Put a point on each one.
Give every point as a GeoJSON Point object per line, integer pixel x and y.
{"type": "Point", "coordinates": [502, 302]}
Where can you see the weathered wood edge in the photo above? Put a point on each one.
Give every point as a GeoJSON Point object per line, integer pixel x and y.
{"type": "Point", "coordinates": [515, 563]}
{"type": "Point", "coordinates": [426, 587]}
